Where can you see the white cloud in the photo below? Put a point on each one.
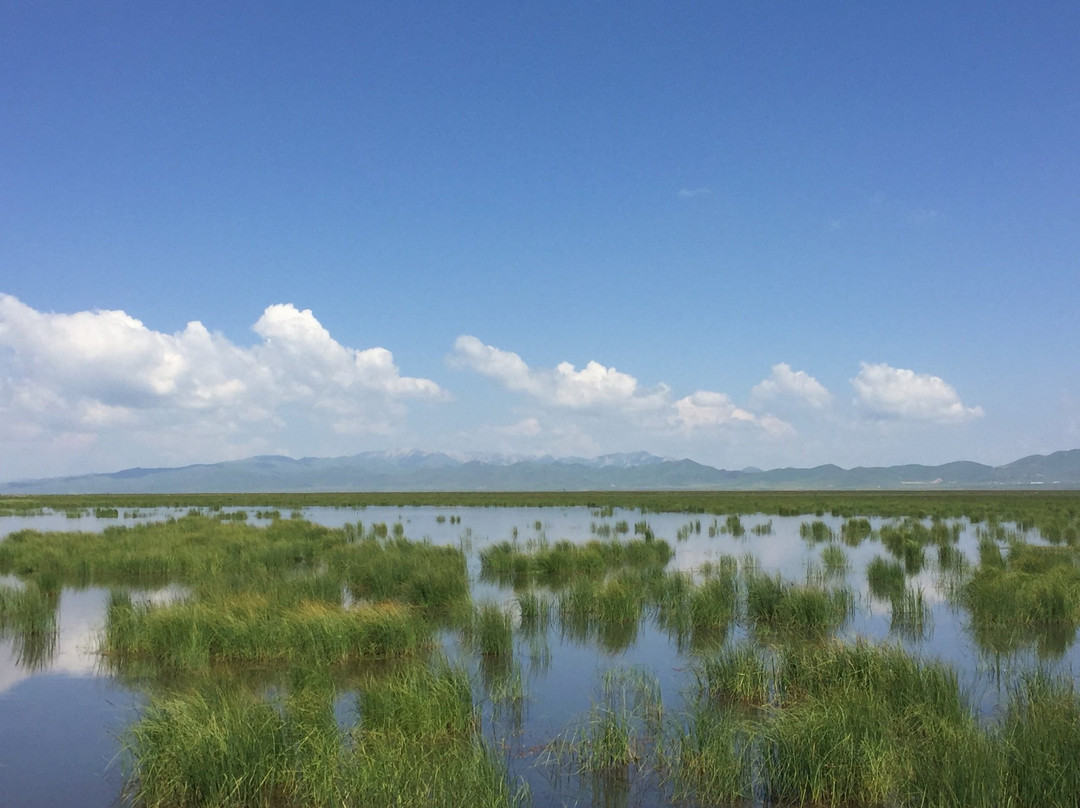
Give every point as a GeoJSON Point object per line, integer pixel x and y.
{"type": "Point", "coordinates": [94, 373]}
{"type": "Point", "coordinates": [594, 386]}
{"type": "Point", "coordinates": [687, 193]}
{"type": "Point", "coordinates": [897, 393]}
{"type": "Point", "coordinates": [705, 409]}
{"type": "Point", "coordinates": [605, 390]}
{"type": "Point", "coordinates": [784, 382]}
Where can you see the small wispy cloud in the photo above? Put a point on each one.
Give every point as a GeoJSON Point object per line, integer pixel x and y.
{"type": "Point", "coordinates": [687, 193]}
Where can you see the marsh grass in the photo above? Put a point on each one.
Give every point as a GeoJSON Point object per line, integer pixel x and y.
{"type": "Point", "coordinates": [816, 532]}
{"type": "Point", "coordinates": [854, 531]}
{"type": "Point", "coordinates": [607, 612]}
{"type": "Point", "coordinates": [712, 759]}
{"type": "Point", "coordinates": [1034, 585]}
{"type": "Point", "coordinates": [737, 673]}
{"type": "Point", "coordinates": [417, 742]}
{"type": "Point", "coordinates": [908, 539]}
{"type": "Point", "coordinates": [560, 564]}
{"type": "Point", "coordinates": [420, 573]}
{"type": "Point", "coordinates": [885, 579]}
{"type": "Point", "coordinates": [432, 701]}
{"type": "Point", "coordinates": [800, 722]}
{"type": "Point", "coordinates": [184, 550]}
{"type": "Point", "coordinates": [214, 749]}
{"type": "Point", "coordinates": [28, 615]}
{"type": "Point", "coordinates": [507, 692]}
{"type": "Point", "coordinates": [951, 559]}
{"type": "Point", "coordinates": [534, 609]}
{"type": "Point", "coordinates": [248, 628]}
{"type": "Point", "coordinates": [491, 631]}
{"type": "Point", "coordinates": [845, 724]}
{"type": "Point", "coordinates": [835, 559]}
{"type": "Point", "coordinates": [711, 609]}
{"type": "Point", "coordinates": [870, 725]}
{"type": "Point", "coordinates": [1041, 741]}
{"type": "Point", "coordinates": [807, 610]}
{"type": "Point", "coordinates": [733, 526]}
{"type": "Point", "coordinates": [911, 616]}
{"type": "Point", "coordinates": [619, 740]}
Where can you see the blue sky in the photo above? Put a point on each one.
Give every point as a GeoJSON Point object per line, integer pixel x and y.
{"type": "Point", "coordinates": [747, 233]}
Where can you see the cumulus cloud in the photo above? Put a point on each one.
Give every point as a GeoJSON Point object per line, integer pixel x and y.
{"type": "Point", "coordinates": [297, 347]}
{"type": "Point", "coordinates": [891, 392]}
{"type": "Point", "coordinates": [705, 409]}
{"type": "Point", "coordinates": [94, 371]}
{"type": "Point", "coordinates": [708, 409]}
{"type": "Point", "coordinates": [784, 382]}
{"type": "Point", "coordinates": [605, 390]}
{"type": "Point", "coordinates": [564, 386]}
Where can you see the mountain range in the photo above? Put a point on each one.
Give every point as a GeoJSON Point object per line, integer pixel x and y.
{"type": "Point", "coordinates": [432, 471]}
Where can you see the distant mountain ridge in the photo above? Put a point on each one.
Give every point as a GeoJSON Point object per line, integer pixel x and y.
{"type": "Point", "coordinates": [435, 471]}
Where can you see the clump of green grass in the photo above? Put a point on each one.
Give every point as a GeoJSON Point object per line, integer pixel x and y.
{"type": "Point", "coordinates": [1036, 585]}
{"type": "Point", "coordinates": [951, 559]}
{"type": "Point", "coordinates": [212, 749]}
{"type": "Point", "coordinates": [28, 615]}
{"type": "Point", "coordinates": [184, 550]}
{"type": "Point", "coordinates": [907, 542]}
{"type": "Point", "coordinates": [854, 531]}
{"type": "Point", "coordinates": [762, 528]}
{"type": "Point", "coordinates": [433, 578]}
{"type": "Point", "coordinates": [733, 526]}
{"type": "Point", "coordinates": [835, 559]}
{"type": "Point", "coordinates": [712, 759]}
{"type": "Point", "coordinates": [816, 531]}
{"type": "Point", "coordinates": [840, 725]}
{"type": "Point", "coordinates": [535, 612]}
{"type": "Point", "coordinates": [491, 631]}
{"type": "Point", "coordinates": [736, 673]}
{"type": "Point", "coordinates": [244, 628]}
{"type": "Point", "coordinates": [807, 609]}
{"type": "Point", "coordinates": [234, 516]}
{"type": "Point", "coordinates": [885, 670]}
{"type": "Point", "coordinates": [670, 595]}
{"type": "Point", "coordinates": [608, 611]}
{"type": "Point", "coordinates": [910, 614]}
{"type": "Point", "coordinates": [1041, 741]}
{"type": "Point", "coordinates": [886, 579]}
{"type": "Point", "coordinates": [866, 725]}
{"type": "Point", "coordinates": [417, 743]}
{"type": "Point", "coordinates": [563, 562]}
{"type": "Point", "coordinates": [420, 701]}
{"type": "Point", "coordinates": [712, 606]}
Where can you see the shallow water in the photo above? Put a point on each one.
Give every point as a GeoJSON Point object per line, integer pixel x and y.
{"type": "Point", "coordinates": [60, 716]}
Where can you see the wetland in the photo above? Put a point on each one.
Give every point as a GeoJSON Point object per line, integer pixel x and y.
{"type": "Point", "coordinates": [608, 649]}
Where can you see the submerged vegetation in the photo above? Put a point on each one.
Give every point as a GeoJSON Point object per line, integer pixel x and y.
{"type": "Point", "coordinates": [289, 664]}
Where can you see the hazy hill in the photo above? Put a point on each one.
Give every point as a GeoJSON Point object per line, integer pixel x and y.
{"type": "Point", "coordinates": [425, 471]}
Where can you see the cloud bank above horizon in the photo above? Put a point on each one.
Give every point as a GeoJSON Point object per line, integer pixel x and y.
{"type": "Point", "coordinates": [99, 390]}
